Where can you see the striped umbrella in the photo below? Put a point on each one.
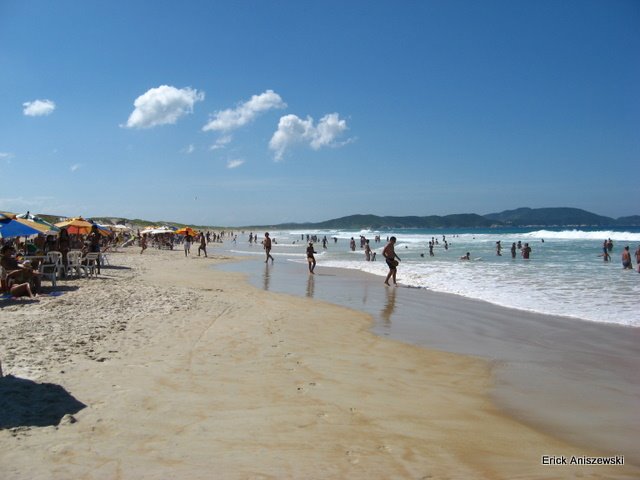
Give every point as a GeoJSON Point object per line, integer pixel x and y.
{"type": "Point", "coordinates": [76, 226]}
{"type": "Point", "coordinates": [50, 227]}
{"type": "Point", "coordinates": [12, 227]}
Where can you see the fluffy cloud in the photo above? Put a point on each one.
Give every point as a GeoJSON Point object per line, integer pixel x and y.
{"type": "Point", "coordinates": [39, 108]}
{"type": "Point", "coordinates": [232, 118]}
{"type": "Point", "coordinates": [293, 130]}
{"type": "Point", "coordinates": [234, 163]}
{"type": "Point", "coordinates": [163, 105]}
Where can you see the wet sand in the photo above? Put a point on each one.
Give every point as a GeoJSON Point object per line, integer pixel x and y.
{"type": "Point", "coordinates": [577, 380]}
{"type": "Point", "coordinates": [164, 367]}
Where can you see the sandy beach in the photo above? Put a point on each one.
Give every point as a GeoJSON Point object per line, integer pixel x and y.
{"type": "Point", "coordinates": [163, 367]}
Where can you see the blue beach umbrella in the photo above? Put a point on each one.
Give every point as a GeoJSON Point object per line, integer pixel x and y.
{"type": "Point", "coordinates": [52, 229]}
{"type": "Point", "coordinates": [10, 227]}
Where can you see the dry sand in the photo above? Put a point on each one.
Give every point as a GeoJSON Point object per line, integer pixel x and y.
{"type": "Point", "coordinates": [164, 368]}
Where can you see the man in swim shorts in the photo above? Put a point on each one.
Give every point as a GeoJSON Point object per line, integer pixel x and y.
{"type": "Point", "coordinates": [266, 244]}
{"type": "Point", "coordinates": [390, 257]}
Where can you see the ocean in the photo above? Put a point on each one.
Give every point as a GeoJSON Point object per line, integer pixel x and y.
{"type": "Point", "coordinates": [565, 275]}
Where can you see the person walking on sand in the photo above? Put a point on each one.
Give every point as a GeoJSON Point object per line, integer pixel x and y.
{"type": "Point", "coordinates": [626, 259]}
{"type": "Point", "coordinates": [143, 243]}
{"type": "Point", "coordinates": [187, 244]}
{"type": "Point", "coordinates": [266, 244]}
{"type": "Point", "coordinates": [310, 258]}
{"type": "Point", "coordinates": [390, 256]}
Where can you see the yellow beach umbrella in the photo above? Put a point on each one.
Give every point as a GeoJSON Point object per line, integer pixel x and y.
{"type": "Point", "coordinates": [76, 226]}
{"type": "Point", "coordinates": [186, 230]}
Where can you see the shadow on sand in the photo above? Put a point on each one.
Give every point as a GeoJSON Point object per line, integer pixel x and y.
{"type": "Point", "coordinates": [25, 403]}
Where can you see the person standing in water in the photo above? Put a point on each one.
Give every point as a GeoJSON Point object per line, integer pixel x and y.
{"type": "Point", "coordinates": [390, 257]}
{"type": "Point", "coordinates": [266, 244]}
{"type": "Point", "coordinates": [367, 251]}
{"type": "Point", "coordinates": [626, 259]}
{"type": "Point", "coordinates": [310, 258]}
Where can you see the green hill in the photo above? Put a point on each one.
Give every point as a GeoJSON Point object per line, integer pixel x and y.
{"type": "Point", "coordinates": [550, 217]}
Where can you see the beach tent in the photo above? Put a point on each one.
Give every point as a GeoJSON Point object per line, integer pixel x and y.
{"type": "Point", "coordinates": [10, 226]}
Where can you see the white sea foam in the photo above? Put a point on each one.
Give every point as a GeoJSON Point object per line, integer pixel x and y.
{"type": "Point", "coordinates": [565, 275]}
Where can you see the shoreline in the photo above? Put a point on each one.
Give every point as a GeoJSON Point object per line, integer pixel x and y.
{"type": "Point", "coordinates": [585, 369]}
{"type": "Point", "coordinates": [211, 374]}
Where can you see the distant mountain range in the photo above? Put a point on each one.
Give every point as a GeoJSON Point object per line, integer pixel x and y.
{"type": "Point", "coordinates": [521, 217]}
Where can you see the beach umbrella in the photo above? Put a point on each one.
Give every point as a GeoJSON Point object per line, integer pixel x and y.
{"type": "Point", "coordinates": [29, 223]}
{"type": "Point", "coordinates": [120, 228]}
{"type": "Point", "coordinates": [186, 231]}
{"type": "Point", "coordinates": [76, 226]}
{"type": "Point", "coordinates": [160, 230]}
{"type": "Point", "coordinates": [12, 227]}
{"type": "Point", "coordinates": [48, 228]}
{"type": "Point", "coordinates": [102, 229]}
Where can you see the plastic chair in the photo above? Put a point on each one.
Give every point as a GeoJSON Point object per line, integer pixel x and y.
{"type": "Point", "coordinates": [50, 272]}
{"type": "Point", "coordinates": [55, 258]}
{"type": "Point", "coordinates": [91, 264]}
{"type": "Point", "coordinates": [74, 263]}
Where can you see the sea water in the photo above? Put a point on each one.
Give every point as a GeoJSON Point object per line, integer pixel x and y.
{"type": "Point", "coordinates": [565, 275]}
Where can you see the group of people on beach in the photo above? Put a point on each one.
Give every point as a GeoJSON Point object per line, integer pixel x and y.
{"type": "Point", "coordinates": [21, 277]}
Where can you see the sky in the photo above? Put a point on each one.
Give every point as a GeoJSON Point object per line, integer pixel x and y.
{"type": "Point", "coordinates": [261, 112]}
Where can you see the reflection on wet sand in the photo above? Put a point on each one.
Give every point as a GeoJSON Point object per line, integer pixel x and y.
{"type": "Point", "coordinates": [311, 285]}
{"type": "Point", "coordinates": [266, 278]}
{"type": "Point", "coordinates": [389, 307]}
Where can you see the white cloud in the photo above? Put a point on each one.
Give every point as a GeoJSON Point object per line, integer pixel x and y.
{"type": "Point", "coordinates": [163, 105]}
{"type": "Point", "coordinates": [222, 142]}
{"type": "Point", "coordinates": [190, 149]}
{"type": "Point", "coordinates": [6, 155]}
{"type": "Point", "coordinates": [75, 167]}
{"type": "Point", "coordinates": [234, 163]}
{"type": "Point", "coordinates": [292, 130]}
{"type": "Point", "coordinates": [232, 118]}
{"type": "Point", "coordinates": [38, 108]}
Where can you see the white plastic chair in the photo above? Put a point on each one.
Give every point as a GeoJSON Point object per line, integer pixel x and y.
{"type": "Point", "coordinates": [50, 272]}
{"type": "Point", "coordinates": [91, 264]}
{"type": "Point", "coordinates": [55, 258]}
{"type": "Point", "coordinates": [74, 263]}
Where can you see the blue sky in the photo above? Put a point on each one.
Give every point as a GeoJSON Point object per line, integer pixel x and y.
{"type": "Point", "coordinates": [262, 112]}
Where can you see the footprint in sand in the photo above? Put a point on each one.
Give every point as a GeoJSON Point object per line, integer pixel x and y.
{"type": "Point", "coordinates": [352, 457]}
